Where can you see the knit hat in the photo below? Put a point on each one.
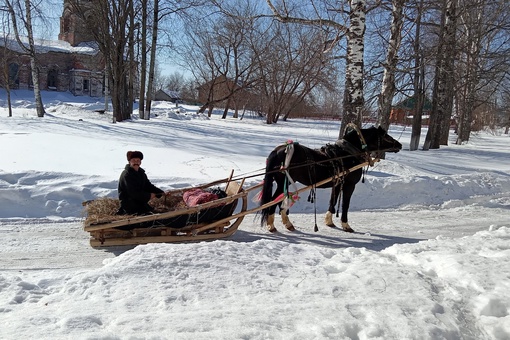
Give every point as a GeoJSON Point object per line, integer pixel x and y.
{"type": "Point", "coordinates": [134, 154]}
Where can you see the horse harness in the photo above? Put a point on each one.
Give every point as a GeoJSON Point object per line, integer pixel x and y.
{"type": "Point", "coordinates": [336, 160]}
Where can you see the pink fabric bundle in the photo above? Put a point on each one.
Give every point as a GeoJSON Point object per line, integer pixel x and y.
{"type": "Point", "coordinates": [198, 196]}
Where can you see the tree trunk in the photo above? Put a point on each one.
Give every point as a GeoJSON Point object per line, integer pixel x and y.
{"type": "Point", "coordinates": [143, 63]}
{"type": "Point", "coordinates": [225, 111]}
{"type": "Point", "coordinates": [106, 89]}
{"type": "Point", "coordinates": [446, 99]}
{"type": "Point", "coordinates": [37, 91]}
{"type": "Point", "coordinates": [419, 93]}
{"type": "Point", "coordinates": [33, 63]}
{"type": "Point", "coordinates": [419, 84]}
{"type": "Point", "coordinates": [30, 50]}
{"type": "Point", "coordinates": [5, 72]}
{"type": "Point", "coordinates": [353, 101]}
{"type": "Point", "coordinates": [120, 99]}
{"type": "Point", "coordinates": [466, 116]}
{"type": "Point", "coordinates": [152, 61]}
{"type": "Point", "coordinates": [472, 61]}
{"type": "Point", "coordinates": [9, 103]}
{"type": "Point", "coordinates": [131, 58]}
{"type": "Point", "coordinates": [443, 81]}
{"type": "Point", "coordinates": [390, 65]}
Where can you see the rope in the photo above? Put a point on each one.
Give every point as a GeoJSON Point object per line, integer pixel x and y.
{"type": "Point", "coordinates": [312, 196]}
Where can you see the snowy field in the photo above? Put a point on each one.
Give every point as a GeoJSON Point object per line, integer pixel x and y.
{"type": "Point", "coordinates": [429, 259]}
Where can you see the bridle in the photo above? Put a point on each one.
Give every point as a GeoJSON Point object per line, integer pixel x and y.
{"type": "Point", "coordinates": [364, 146]}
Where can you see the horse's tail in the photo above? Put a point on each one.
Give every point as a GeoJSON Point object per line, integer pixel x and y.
{"type": "Point", "coordinates": [267, 187]}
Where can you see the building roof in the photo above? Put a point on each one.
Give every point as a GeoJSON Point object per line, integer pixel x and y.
{"type": "Point", "coordinates": [409, 103]}
{"type": "Point", "coordinates": [169, 93]}
{"type": "Point", "coordinates": [45, 46]}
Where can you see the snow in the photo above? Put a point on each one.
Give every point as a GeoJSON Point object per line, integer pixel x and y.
{"type": "Point", "coordinates": [45, 45]}
{"type": "Point", "coordinates": [429, 259]}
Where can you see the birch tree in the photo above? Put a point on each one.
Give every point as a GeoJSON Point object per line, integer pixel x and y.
{"type": "Point", "coordinates": [354, 101]}
{"type": "Point", "coordinates": [390, 65]}
{"type": "Point", "coordinates": [143, 62]}
{"type": "Point", "coordinates": [442, 96]}
{"type": "Point", "coordinates": [25, 16]}
{"type": "Point", "coordinates": [152, 61]}
{"type": "Point", "coordinates": [354, 29]}
{"type": "Point", "coordinates": [418, 81]}
{"type": "Point", "coordinates": [483, 59]}
{"type": "Point", "coordinates": [6, 58]}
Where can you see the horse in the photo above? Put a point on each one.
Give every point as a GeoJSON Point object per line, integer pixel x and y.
{"type": "Point", "coordinates": [293, 162]}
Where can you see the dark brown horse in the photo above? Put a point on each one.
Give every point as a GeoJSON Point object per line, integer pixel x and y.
{"type": "Point", "coordinates": [310, 166]}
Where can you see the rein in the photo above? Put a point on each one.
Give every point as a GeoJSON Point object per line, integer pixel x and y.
{"type": "Point", "coordinates": [297, 166]}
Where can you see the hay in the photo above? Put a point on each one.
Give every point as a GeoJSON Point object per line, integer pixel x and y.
{"type": "Point", "coordinates": [104, 210]}
{"type": "Point", "coordinates": [172, 200]}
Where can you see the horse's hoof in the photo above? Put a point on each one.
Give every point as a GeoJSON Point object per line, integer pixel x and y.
{"type": "Point", "coordinates": [346, 227]}
{"type": "Point", "coordinates": [271, 229]}
{"type": "Point", "coordinates": [286, 222]}
{"type": "Point", "coordinates": [328, 220]}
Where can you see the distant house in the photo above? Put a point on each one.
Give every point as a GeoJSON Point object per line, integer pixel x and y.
{"type": "Point", "coordinates": [214, 92]}
{"type": "Point", "coordinates": [167, 95]}
{"type": "Point", "coordinates": [71, 63]}
{"type": "Point", "coordinates": [403, 112]}
{"type": "Point", "coordinates": [216, 89]}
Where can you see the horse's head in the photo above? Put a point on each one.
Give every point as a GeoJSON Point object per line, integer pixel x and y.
{"type": "Point", "coordinates": [377, 139]}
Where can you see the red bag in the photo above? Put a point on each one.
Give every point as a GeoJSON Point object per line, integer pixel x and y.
{"type": "Point", "coordinates": [198, 196]}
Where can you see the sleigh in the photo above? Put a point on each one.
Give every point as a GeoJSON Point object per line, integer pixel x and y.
{"type": "Point", "coordinates": [211, 220]}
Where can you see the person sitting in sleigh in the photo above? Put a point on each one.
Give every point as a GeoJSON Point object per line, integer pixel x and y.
{"type": "Point", "coordinates": [135, 189]}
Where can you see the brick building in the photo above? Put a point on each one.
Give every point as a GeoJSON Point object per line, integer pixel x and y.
{"type": "Point", "coordinates": [403, 112]}
{"type": "Point", "coordinates": [71, 63]}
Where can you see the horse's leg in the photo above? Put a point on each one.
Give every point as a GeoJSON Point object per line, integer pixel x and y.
{"type": "Point", "coordinates": [270, 219]}
{"type": "Point", "coordinates": [328, 220]}
{"type": "Point", "coordinates": [270, 223]}
{"type": "Point", "coordinates": [347, 191]}
{"type": "Point", "coordinates": [272, 209]}
{"type": "Point", "coordinates": [285, 220]}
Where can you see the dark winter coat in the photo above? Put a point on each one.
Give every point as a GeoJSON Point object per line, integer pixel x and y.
{"type": "Point", "coordinates": [135, 191]}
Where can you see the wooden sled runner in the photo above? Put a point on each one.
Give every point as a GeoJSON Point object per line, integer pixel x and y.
{"type": "Point", "coordinates": [207, 221]}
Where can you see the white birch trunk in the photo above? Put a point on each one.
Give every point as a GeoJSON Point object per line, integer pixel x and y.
{"type": "Point", "coordinates": [390, 65]}
{"type": "Point", "coordinates": [353, 101]}
{"type": "Point", "coordinates": [33, 64]}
